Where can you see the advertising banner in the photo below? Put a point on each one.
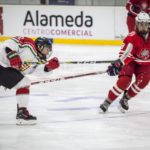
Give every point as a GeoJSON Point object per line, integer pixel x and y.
{"type": "Point", "coordinates": [73, 22]}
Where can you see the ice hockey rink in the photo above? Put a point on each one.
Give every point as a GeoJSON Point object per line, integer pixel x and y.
{"type": "Point", "coordinates": [68, 110]}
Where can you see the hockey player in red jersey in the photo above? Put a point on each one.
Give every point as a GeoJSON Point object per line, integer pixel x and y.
{"type": "Point", "coordinates": [134, 59]}
{"type": "Point", "coordinates": [134, 7]}
{"type": "Point", "coordinates": [13, 55]}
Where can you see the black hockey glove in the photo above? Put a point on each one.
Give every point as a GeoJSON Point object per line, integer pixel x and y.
{"type": "Point", "coordinates": [114, 68]}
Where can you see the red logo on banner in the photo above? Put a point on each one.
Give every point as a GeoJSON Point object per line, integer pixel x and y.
{"type": "Point", "coordinates": [1, 20]}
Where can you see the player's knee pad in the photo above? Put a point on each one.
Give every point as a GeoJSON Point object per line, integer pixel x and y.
{"type": "Point", "coordinates": [124, 82]}
{"type": "Point", "coordinates": [142, 80]}
{"type": "Point", "coordinates": [25, 82]}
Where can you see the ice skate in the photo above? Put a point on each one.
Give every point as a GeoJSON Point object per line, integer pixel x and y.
{"type": "Point", "coordinates": [104, 106]}
{"type": "Point", "coordinates": [24, 118]}
{"type": "Point", "coordinates": [123, 103]}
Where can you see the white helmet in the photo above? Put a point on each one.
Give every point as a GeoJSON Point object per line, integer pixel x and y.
{"type": "Point", "coordinates": [142, 23]}
{"type": "Point", "coordinates": [143, 17]}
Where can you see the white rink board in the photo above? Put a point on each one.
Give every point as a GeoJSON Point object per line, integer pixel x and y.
{"type": "Point", "coordinates": [100, 23]}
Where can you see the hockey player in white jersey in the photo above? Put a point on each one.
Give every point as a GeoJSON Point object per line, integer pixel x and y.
{"type": "Point", "coordinates": [13, 55]}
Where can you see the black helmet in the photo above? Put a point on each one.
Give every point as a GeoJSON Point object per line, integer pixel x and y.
{"type": "Point", "coordinates": [41, 42]}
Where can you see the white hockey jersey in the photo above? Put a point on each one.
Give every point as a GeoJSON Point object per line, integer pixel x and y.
{"type": "Point", "coordinates": [26, 49]}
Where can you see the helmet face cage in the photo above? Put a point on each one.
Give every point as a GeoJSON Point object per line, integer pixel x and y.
{"type": "Point", "coordinates": [142, 23]}
{"type": "Point", "coordinates": [43, 42]}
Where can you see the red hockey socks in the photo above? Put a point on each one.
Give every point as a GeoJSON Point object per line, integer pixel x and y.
{"type": "Point", "coordinates": [121, 85]}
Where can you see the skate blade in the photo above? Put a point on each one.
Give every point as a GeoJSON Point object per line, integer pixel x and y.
{"type": "Point", "coordinates": [121, 109]}
{"type": "Point", "coordinates": [25, 122]}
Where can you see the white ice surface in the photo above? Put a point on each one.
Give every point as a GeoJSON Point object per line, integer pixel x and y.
{"type": "Point", "coordinates": [68, 110]}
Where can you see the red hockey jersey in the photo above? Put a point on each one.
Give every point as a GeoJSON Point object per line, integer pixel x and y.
{"type": "Point", "coordinates": [135, 48]}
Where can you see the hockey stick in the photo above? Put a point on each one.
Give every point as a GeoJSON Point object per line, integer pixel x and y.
{"type": "Point", "coordinates": [69, 77]}
{"type": "Point", "coordinates": [75, 62]}
{"type": "Point", "coordinates": [88, 62]}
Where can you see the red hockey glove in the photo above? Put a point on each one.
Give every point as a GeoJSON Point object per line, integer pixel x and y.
{"type": "Point", "coordinates": [114, 68]}
{"type": "Point", "coordinates": [14, 58]}
{"type": "Point", "coordinates": [52, 64]}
